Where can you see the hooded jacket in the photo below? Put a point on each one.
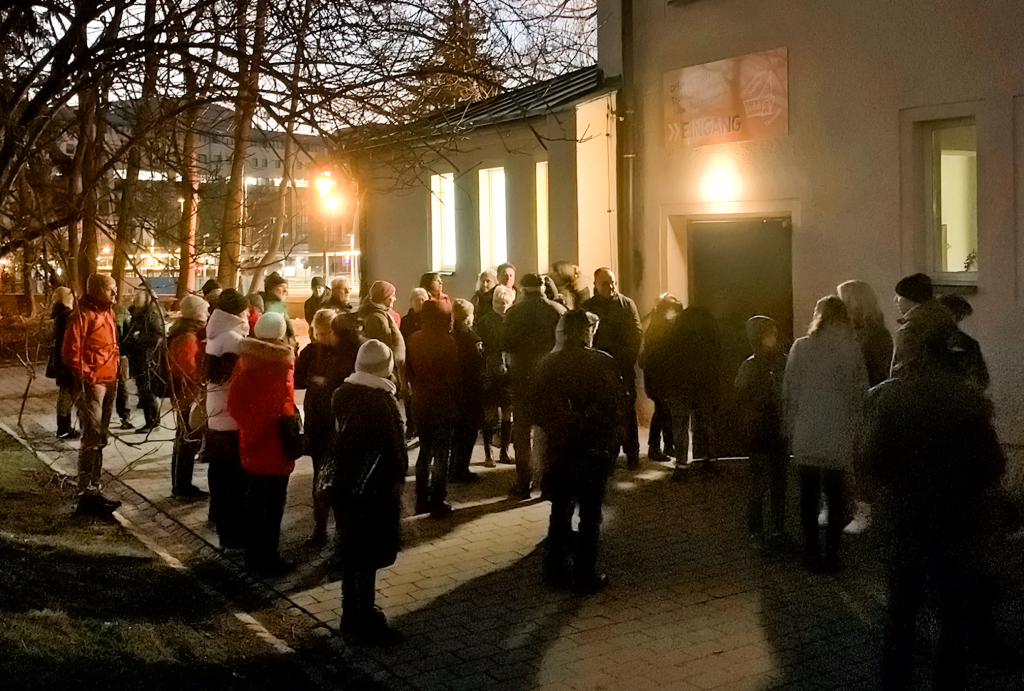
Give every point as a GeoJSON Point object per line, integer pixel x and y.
{"type": "Point", "coordinates": [224, 334]}
{"type": "Point", "coordinates": [380, 324]}
{"type": "Point", "coordinates": [759, 389]}
{"type": "Point", "coordinates": [261, 393]}
{"type": "Point", "coordinates": [90, 343]}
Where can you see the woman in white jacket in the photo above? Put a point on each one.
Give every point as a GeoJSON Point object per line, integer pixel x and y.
{"type": "Point", "coordinates": [226, 328]}
{"type": "Point", "coordinates": [824, 390]}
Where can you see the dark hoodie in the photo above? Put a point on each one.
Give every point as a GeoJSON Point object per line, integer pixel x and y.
{"type": "Point", "coordinates": [759, 389]}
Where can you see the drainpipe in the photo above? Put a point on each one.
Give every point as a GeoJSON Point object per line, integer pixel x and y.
{"type": "Point", "coordinates": [631, 259]}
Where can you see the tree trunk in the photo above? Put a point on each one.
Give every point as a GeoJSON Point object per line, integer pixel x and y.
{"type": "Point", "coordinates": [245, 108]}
{"type": "Point", "coordinates": [189, 222]}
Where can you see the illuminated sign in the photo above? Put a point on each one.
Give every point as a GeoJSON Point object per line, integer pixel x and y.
{"type": "Point", "coordinates": [733, 100]}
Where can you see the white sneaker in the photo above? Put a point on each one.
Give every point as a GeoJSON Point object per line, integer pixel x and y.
{"type": "Point", "coordinates": [861, 520]}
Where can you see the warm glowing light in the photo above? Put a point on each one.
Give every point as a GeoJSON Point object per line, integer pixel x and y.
{"type": "Point", "coordinates": [332, 203]}
{"type": "Point", "coordinates": [721, 183]}
{"type": "Point", "coordinates": [324, 183]}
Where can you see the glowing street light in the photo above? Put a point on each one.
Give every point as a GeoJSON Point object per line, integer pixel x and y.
{"type": "Point", "coordinates": [324, 184]}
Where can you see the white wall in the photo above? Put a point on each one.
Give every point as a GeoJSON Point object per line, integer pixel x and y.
{"type": "Point", "coordinates": [855, 69]}
{"type": "Point", "coordinates": [595, 186]}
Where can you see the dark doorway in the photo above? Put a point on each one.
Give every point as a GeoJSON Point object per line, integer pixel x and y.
{"type": "Point", "coordinates": [740, 268]}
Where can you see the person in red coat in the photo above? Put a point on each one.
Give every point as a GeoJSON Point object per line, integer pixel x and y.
{"type": "Point", "coordinates": [432, 368]}
{"type": "Point", "coordinates": [261, 394]}
{"type": "Point", "coordinates": [186, 350]}
{"type": "Point", "coordinates": [90, 352]}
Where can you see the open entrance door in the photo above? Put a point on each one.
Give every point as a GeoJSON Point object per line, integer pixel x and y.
{"type": "Point", "coordinates": [740, 268]}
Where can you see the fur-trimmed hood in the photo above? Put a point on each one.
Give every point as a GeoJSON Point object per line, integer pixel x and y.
{"type": "Point", "coordinates": [271, 352]}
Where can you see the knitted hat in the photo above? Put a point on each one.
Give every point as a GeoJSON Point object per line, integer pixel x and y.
{"type": "Point", "coordinates": [232, 302]}
{"type": "Point", "coordinates": [916, 288]}
{"type": "Point", "coordinates": [194, 307]}
{"type": "Point", "coordinates": [270, 327]}
{"type": "Point", "coordinates": [98, 283]}
{"type": "Point", "coordinates": [210, 286]}
{"type": "Point", "coordinates": [380, 291]}
{"type": "Point", "coordinates": [272, 281]}
{"type": "Point", "coordinates": [374, 358]}
{"type": "Point", "coordinates": [462, 310]}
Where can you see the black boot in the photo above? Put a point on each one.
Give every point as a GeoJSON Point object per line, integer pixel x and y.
{"type": "Point", "coordinates": [64, 428]}
{"type": "Point", "coordinates": [506, 439]}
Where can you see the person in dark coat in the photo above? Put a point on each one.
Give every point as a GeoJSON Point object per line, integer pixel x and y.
{"type": "Point", "coordinates": [692, 386]}
{"type": "Point", "coordinates": [935, 461]}
{"type": "Point", "coordinates": [410, 325]}
{"type": "Point", "coordinates": [144, 347]}
{"type": "Point", "coordinates": [655, 360]}
{"type": "Point", "coordinates": [529, 335]}
{"type": "Point", "coordinates": [964, 350]}
{"type": "Point", "coordinates": [320, 369]}
{"type": "Point", "coordinates": [63, 305]}
{"type": "Point", "coordinates": [759, 400]}
{"type": "Point", "coordinates": [366, 467]}
{"type": "Point", "coordinates": [620, 335]}
{"type": "Point", "coordinates": [578, 399]}
{"type": "Point", "coordinates": [469, 399]}
{"type": "Point", "coordinates": [485, 284]}
{"type": "Point", "coordinates": [319, 299]}
{"type": "Point", "coordinates": [921, 315]}
{"type": "Point", "coordinates": [432, 368]}
{"type": "Point", "coordinates": [497, 395]}
{"type": "Point", "coordinates": [275, 290]}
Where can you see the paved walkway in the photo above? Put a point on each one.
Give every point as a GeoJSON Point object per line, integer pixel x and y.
{"type": "Point", "coordinates": [692, 603]}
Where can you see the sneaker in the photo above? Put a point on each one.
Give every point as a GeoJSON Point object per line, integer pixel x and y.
{"type": "Point", "coordinates": [190, 493]}
{"type": "Point", "coordinates": [657, 455]}
{"type": "Point", "coordinates": [70, 435]}
{"type": "Point", "coordinates": [519, 493]}
{"type": "Point", "coordinates": [489, 463]}
{"type": "Point", "coordinates": [440, 510]}
{"type": "Point", "coordinates": [96, 505]}
{"type": "Point", "coordinates": [861, 520]}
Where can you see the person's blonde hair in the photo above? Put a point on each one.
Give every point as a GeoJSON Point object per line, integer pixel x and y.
{"type": "Point", "coordinates": [861, 302]}
{"type": "Point", "coordinates": [829, 311]}
{"type": "Point", "coordinates": [487, 273]}
{"type": "Point", "coordinates": [503, 295]}
{"type": "Point", "coordinates": [462, 311]}
{"type": "Point", "coordinates": [322, 325]}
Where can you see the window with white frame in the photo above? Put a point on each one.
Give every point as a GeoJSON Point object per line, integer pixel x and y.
{"type": "Point", "coordinates": [493, 234]}
{"type": "Point", "coordinates": [442, 222]}
{"type": "Point", "coordinates": [542, 216]}
{"type": "Point", "coordinates": [952, 178]}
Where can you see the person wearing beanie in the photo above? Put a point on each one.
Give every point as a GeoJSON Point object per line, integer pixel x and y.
{"type": "Point", "coordinates": [921, 316]}
{"type": "Point", "coordinates": [433, 374]}
{"type": "Point", "coordinates": [577, 400]}
{"type": "Point", "coordinates": [367, 462]}
{"type": "Point", "coordinates": [227, 327]}
{"type": "Point", "coordinates": [529, 335]}
{"type": "Point", "coordinates": [260, 398]}
{"type": "Point", "coordinates": [319, 299]}
{"type": "Point", "coordinates": [490, 325]}
{"type": "Point", "coordinates": [63, 305]}
{"type": "Point", "coordinates": [275, 290]}
{"type": "Point", "coordinates": [186, 350]}
{"type": "Point", "coordinates": [144, 346]}
{"type": "Point", "coordinates": [619, 335]}
{"type": "Point", "coordinates": [320, 369]}
{"type": "Point", "coordinates": [90, 351]}
{"type": "Point", "coordinates": [379, 322]}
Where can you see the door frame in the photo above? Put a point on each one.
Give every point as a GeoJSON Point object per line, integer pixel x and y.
{"type": "Point", "coordinates": [673, 268]}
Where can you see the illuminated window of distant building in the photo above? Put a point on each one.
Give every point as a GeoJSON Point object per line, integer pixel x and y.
{"type": "Point", "coordinates": [542, 217]}
{"type": "Point", "coordinates": [952, 171]}
{"type": "Point", "coordinates": [493, 235]}
{"type": "Point", "coordinates": [442, 222]}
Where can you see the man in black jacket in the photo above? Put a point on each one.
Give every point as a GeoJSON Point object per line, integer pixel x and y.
{"type": "Point", "coordinates": [619, 335]}
{"type": "Point", "coordinates": [578, 398]}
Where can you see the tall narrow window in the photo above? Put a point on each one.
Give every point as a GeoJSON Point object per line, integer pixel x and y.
{"type": "Point", "coordinates": [542, 217]}
{"type": "Point", "coordinates": [493, 237]}
{"type": "Point", "coordinates": [953, 176]}
{"type": "Point", "coordinates": [442, 222]}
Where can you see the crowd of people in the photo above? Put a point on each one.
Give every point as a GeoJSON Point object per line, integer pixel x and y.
{"type": "Point", "coordinates": [545, 367]}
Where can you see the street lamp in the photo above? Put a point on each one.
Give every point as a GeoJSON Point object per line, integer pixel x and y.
{"type": "Point", "coordinates": [332, 204]}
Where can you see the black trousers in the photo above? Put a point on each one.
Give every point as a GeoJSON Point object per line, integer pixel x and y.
{"type": "Point", "coordinates": [265, 500]}
{"type": "Point", "coordinates": [183, 455]}
{"type": "Point", "coordinates": [768, 477]}
{"type": "Point", "coordinates": [569, 554]}
{"type": "Point", "coordinates": [464, 439]}
{"type": "Point", "coordinates": [698, 415]}
{"type": "Point", "coordinates": [149, 402]}
{"type": "Point", "coordinates": [812, 481]}
{"type": "Point", "coordinates": [661, 427]}
{"type": "Point", "coordinates": [228, 481]}
{"type": "Point", "coordinates": [434, 461]}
